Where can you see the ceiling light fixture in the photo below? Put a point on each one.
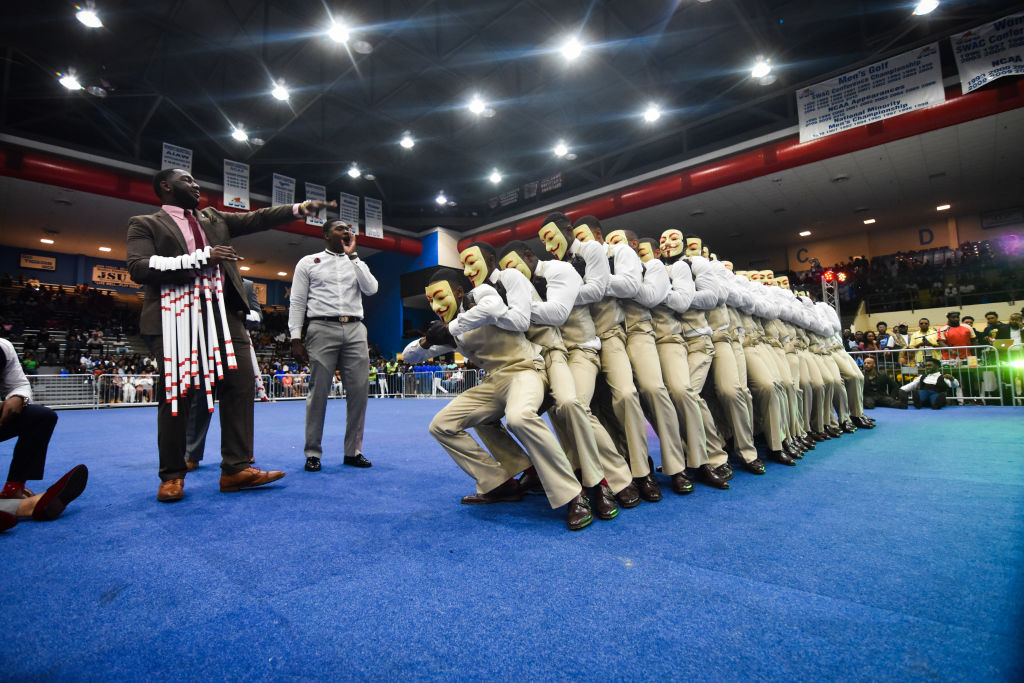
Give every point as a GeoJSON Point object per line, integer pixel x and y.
{"type": "Point", "coordinates": [104, 248]}
{"type": "Point", "coordinates": [477, 105]}
{"type": "Point", "coordinates": [572, 48]}
{"type": "Point", "coordinates": [805, 233]}
{"type": "Point", "coordinates": [246, 268]}
{"type": "Point", "coordinates": [495, 177]}
{"type": "Point", "coordinates": [69, 80]}
{"type": "Point", "coordinates": [925, 7]}
{"type": "Point", "coordinates": [280, 92]}
{"type": "Point", "coordinates": [762, 67]}
{"type": "Point", "coordinates": [238, 133]}
{"type": "Point", "coordinates": [407, 141]}
{"type": "Point", "coordinates": [561, 149]}
{"type": "Point", "coordinates": [338, 32]}
{"type": "Point", "coordinates": [88, 15]}
{"type": "Point", "coordinates": [281, 273]}
{"type": "Point", "coordinates": [354, 172]}
{"type": "Point", "coordinates": [943, 207]}
{"type": "Point", "coordinates": [46, 241]}
{"type": "Point", "coordinates": [652, 113]}
{"type": "Point", "coordinates": [870, 221]}
{"type": "Point", "coordinates": [440, 198]}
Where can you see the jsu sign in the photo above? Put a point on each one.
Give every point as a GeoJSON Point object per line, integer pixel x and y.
{"type": "Point", "coordinates": [112, 276]}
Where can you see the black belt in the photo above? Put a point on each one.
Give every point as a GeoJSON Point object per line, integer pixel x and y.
{"type": "Point", "coordinates": [336, 318]}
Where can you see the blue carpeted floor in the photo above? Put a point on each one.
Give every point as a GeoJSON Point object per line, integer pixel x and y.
{"type": "Point", "coordinates": [892, 554]}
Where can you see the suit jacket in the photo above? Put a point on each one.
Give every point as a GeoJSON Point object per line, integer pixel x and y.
{"type": "Point", "coordinates": [158, 234]}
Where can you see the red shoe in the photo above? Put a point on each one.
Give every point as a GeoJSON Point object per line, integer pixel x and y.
{"type": "Point", "coordinates": [57, 497]}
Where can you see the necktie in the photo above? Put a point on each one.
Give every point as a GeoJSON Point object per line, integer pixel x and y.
{"type": "Point", "coordinates": [197, 233]}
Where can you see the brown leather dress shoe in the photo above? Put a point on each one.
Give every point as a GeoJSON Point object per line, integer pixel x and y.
{"type": "Point", "coordinates": [648, 488]}
{"type": "Point", "coordinates": [509, 492]}
{"type": "Point", "coordinates": [604, 503]}
{"type": "Point", "coordinates": [171, 491]}
{"type": "Point", "coordinates": [191, 465]}
{"type": "Point", "coordinates": [530, 482]}
{"type": "Point", "coordinates": [628, 497]}
{"type": "Point", "coordinates": [247, 479]}
{"type": "Point", "coordinates": [681, 484]}
{"type": "Point", "coordinates": [710, 476]}
{"type": "Point", "coordinates": [579, 515]}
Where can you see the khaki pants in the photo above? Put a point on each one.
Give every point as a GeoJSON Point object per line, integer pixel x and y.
{"type": "Point", "coordinates": [761, 378]}
{"type": "Point", "coordinates": [625, 400]}
{"type": "Point", "coordinates": [853, 378]}
{"type": "Point", "coordinates": [700, 353]}
{"type": "Point", "coordinates": [675, 369]}
{"type": "Point", "coordinates": [643, 356]}
{"type": "Point", "coordinates": [803, 396]}
{"type": "Point", "coordinates": [815, 392]}
{"type": "Point", "coordinates": [516, 392]}
{"type": "Point", "coordinates": [584, 438]}
{"type": "Point", "coordinates": [734, 398]}
{"type": "Point", "coordinates": [840, 406]}
{"type": "Point", "coordinates": [830, 388]}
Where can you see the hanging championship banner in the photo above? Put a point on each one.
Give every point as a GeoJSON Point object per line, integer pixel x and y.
{"type": "Point", "coordinates": [283, 191]}
{"type": "Point", "coordinates": [888, 88]}
{"type": "Point", "coordinates": [236, 185]}
{"type": "Point", "coordinates": [349, 210]}
{"type": "Point", "coordinates": [316, 193]}
{"type": "Point", "coordinates": [989, 52]}
{"type": "Point", "coordinates": [509, 197]}
{"type": "Point", "coordinates": [530, 190]}
{"type": "Point", "coordinates": [176, 157]}
{"type": "Point", "coordinates": [551, 183]}
{"type": "Point", "coordinates": [374, 212]}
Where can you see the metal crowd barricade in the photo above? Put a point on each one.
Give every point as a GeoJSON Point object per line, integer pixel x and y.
{"type": "Point", "coordinates": [978, 369]}
{"type": "Point", "coordinates": [64, 391]}
{"type": "Point", "coordinates": [438, 383]}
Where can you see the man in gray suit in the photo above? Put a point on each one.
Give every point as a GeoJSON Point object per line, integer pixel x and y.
{"type": "Point", "coordinates": [327, 292]}
{"type": "Point", "coordinates": [178, 229]}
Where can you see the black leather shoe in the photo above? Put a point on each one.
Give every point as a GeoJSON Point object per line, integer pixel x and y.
{"type": "Point", "coordinates": [628, 497]}
{"type": "Point", "coordinates": [833, 432]}
{"type": "Point", "coordinates": [807, 443]}
{"type": "Point", "coordinates": [725, 471]}
{"type": "Point", "coordinates": [710, 476]}
{"type": "Point", "coordinates": [755, 466]}
{"type": "Point", "coordinates": [509, 492]}
{"type": "Point", "coordinates": [357, 461]}
{"type": "Point", "coordinates": [312, 464]}
{"type": "Point", "coordinates": [604, 503]}
{"type": "Point", "coordinates": [783, 458]}
{"type": "Point", "coordinates": [820, 436]}
{"type": "Point", "coordinates": [863, 423]}
{"type": "Point", "coordinates": [848, 427]}
{"type": "Point", "coordinates": [579, 516]}
{"type": "Point", "coordinates": [792, 449]}
{"type": "Point", "coordinates": [648, 488]}
{"type": "Point", "coordinates": [530, 482]}
{"type": "Point", "coordinates": [681, 484]}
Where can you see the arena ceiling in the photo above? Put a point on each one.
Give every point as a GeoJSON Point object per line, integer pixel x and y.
{"type": "Point", "coordinates": [186, 71]}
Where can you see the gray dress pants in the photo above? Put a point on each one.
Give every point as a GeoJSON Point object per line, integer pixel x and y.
{"type": "Point", "coordinates": [337, 346]}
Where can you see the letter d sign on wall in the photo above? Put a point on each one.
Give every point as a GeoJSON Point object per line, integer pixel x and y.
{"type": "Point", "coordinates": [926, 236]}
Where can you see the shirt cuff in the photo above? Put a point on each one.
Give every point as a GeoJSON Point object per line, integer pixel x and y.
{"type": "Point", "coordinates": [295, 210]}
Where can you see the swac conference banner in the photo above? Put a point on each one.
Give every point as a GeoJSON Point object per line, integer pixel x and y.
{"type": "Point", "coordinates": [888, 88]}
{"type": "Point", "coordinates": [349, 210]}
{"type": "Point", "coordinates": [316, 193]}
{"type": "Point", "coordinates": [236, 185]}
{"type": "Point", "coordinates": [282, 191]}
{"type": "Point", "coordinates": [989, 52]}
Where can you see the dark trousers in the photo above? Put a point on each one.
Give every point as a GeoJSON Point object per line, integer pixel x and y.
{"type": "Point", "coordinates": [883, 402]}
{"type": "Point", "coordinates": [33, 427]}
{"type": "Point", "coordinates": [235, 393]}
{"type": "Point", "coordinates": [927, 397]}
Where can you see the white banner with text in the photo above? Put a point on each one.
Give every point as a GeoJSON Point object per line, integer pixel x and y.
{"type": "Point", "coordinates": [282, 191]}
{"type": "Point", "coordinates": [176, 157]}
{"type": "Point", "coordinates": [989, 52]}
{"type": "Point", "coordinates": [374, 211]}
{"type": "Point", "coordinates": [348, 208]}
{"type": "Point", "coordinates": [236, 185]}
{"type": "Point", "coordinates": [316, 193]}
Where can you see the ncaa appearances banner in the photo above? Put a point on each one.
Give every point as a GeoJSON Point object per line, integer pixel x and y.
{"type": "Point", "coordinates": [176, 157]}
{"type": "Point", "coordinates": [888, 88]}
{"type": "Point", "coordinates": [282, 191]}
{"type": "Point", "coordinates": [315, 193]}
{"type": "Point", "coordinates": [236, 185]}
{"type": "Point", "coordinates": [989, 52]}
{"type": "Point", "coordinates": [348, 208]}
{"type": "Point", "coordinates": [374, 217]}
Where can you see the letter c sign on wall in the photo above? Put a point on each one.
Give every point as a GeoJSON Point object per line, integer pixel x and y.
{"type": "Point", "coordinates": [801, 255]}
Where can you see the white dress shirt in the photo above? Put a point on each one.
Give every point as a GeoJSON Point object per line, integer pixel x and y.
{"type": "Point", "coordinates": [625, 282]}
{"type": "Point", "coordinates": [563, 288]}
{"type": "Point", "coordinates": [929, 382]}
{"type": "Point", "coordinates": [12, 377]}
{"type": "Point", "coordinates": [710, 291]}
{"type": "Point", "coordinates": [680, 297]}
{"type": "Point", "coordinates": [489, 309]}
{"type": "Point", "coordinates": [595, 281]}
{"type": "Point", "coordinates": [655, 287]}
{"type": "Point", "coordinates": [326, 284]}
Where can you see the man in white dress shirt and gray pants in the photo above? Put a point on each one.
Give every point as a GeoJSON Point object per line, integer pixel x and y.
{"type": "Point", "coordinates": [326, 292]}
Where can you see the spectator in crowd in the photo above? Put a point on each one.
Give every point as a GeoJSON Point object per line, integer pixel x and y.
{"type": "Point", "coordinates": [996, 329]}
{"type": "Point", "coordinates": [901, 337]}
{"type": "Point", "coordinates": [848, 342]}
{"type": "Point", "coordinates": [955, 334]}
{"type": "Point", "coordinates": [882, 336]}
{"type": "Point", "coordinates": [858, 337]}
{"type": "Point", "coordinates": [931, 386]}
{"type": "Point", "coordinates": [870, 342]}
{"type": "Point", "coordinates": [968, 320]}
{"type": "Point", "coordinates": [924, 337]}
{"type": "Point", "coordinates": [30, 364]}
{"type": "Point", "coordinates": [880, 389]}
{"type": "Point", "coordinates": [1015, 327]}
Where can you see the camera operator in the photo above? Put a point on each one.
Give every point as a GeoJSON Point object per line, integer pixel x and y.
{"type": "Point", "coordinates": [931, 386]}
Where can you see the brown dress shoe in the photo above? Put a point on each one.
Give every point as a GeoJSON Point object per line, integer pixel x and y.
{"type": "Point", "coordinates": [628, 497]}
{"type": "Point", "coordinates": [191, 465]}
{"type": "Point", "coordinates": [604, 503]}
{"type": "Point", "coordinates": [579, 514]}
{"type": "Point", "coordinates": [648, 488]}
{"type": "Point", "coordinates": [247, 479]}
{"type": "Point", "coordinates": [509, 492]}
{"type": "Point", "coordinates": [681, 484]}
{"type": "Point", "coordinates": [171, 491]}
